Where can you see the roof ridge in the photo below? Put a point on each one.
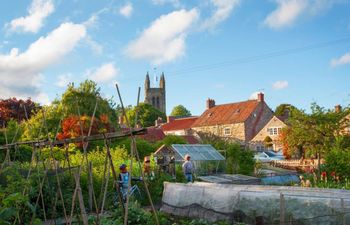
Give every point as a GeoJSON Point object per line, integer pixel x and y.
{"type": "Point", "coordinates": [232, 103]}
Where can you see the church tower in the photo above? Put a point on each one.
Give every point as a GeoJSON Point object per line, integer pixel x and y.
{"type": "Point", "coordinates": [155, 96]}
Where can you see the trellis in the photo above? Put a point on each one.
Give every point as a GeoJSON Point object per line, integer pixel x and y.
{"type": "Point", "coordinates": [97, 203]}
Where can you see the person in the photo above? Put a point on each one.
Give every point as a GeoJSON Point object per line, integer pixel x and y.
{"type": "Point", "coordinates": [147, 170]}
{"type": "Point", "coordinates": [123, 180]}
{"type": "Point", "coordinates": [188, 168]}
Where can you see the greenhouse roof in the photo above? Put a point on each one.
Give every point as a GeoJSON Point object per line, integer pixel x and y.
{"type": "Point", "coordinates": [198, 152]}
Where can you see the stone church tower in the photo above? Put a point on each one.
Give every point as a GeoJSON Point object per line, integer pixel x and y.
{"type": "Point", "coordinates": [155, 96]}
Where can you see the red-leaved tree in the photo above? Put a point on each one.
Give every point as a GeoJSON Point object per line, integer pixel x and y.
{"type": "Point", "coordinates": [13, 108]}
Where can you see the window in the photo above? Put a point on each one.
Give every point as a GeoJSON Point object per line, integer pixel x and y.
{"type": "Point", "coordinates": [158, 102]}
{"type": "Point", "coordinates": [227, 131]}
{"type": "Point", "coordinates": [274, 130]}
{"type": "Point", "coordinates": [153, 101]}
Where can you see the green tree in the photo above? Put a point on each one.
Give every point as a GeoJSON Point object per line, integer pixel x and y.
{"type": "Point", "coordinates": [314, 133]}
{"type": "Point", "coordinates": [170, 140]}
{"type": "Point", "coordinates": [338, 159]}
{"type": "Point", "coordinates": [180, 110]}
{"type": "Point", "coordinates": [84, 98]}
{"type": "Point", "coordinates": [144, 148]}
{"type": "Point", "coordinates": [238, 160]}
{"type": "Point", "coordinates": [147, 115]}
{"type": "Point", "coordinates": [46, 120]}
{"type": "Point", "coordinates": [282, 109]}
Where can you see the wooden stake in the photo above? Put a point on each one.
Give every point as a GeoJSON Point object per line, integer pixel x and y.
{"type": "Point", "coordinates": [81, 200]}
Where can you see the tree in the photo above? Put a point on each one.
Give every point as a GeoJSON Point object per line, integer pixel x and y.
{"type": "Point", "coordinates": [147, 115]}
{"type": "Point", "coordinates": [170, 140]}
{"type": "Point", "coordinates": [16, 109]}
{"type": "Point", "coordinates": [314, 133]}
{"type": "Point", "coordinates": [180, 110]}
{"type": "Point", "coordinates": [284, 110]}
{"type": "Point", "coordinates": [76, 101]}
{"type": "Point", "coordinates": [238, 160]}
{"type": "Point", "coordinates": [84, 98]}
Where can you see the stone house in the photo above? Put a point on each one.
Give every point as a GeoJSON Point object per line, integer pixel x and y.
{"type": "Point", "coordinates": [273, 130]}
{"type": "Point", "coordinates": [239, 121]}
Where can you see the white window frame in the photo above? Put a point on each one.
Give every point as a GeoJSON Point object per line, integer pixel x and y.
{"type": "Point", "coordinates": [274, 131]}
{"type": "Point", "coordinates": [227, 129]}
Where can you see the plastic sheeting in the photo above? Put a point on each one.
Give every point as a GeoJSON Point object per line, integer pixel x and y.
{"type": "Point", "coordinates": [224, 201]}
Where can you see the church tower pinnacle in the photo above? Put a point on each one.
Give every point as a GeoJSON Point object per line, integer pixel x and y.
{"type": "Point", "coordinates": [155, 96]}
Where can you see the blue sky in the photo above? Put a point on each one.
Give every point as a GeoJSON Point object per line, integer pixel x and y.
{"type": "Point", "coordinates": [295, 51]}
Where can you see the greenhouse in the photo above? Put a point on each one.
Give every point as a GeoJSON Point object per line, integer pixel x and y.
{"type": "Point", "coordinates": [206, 159]}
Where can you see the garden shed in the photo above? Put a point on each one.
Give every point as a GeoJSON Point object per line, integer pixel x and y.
{"type": "Point", "coordinates": [206, 159]}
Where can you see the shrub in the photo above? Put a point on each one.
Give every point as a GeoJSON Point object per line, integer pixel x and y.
{"type": "Point", "coordinates": [338, 161]}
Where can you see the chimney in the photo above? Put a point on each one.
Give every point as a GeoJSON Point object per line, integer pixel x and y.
{"type": "Point", "coordinates": [260, 97]}
{"type": "Point", "coordinates": [170, 119]}
{"type": "Point", "coordinates": [210, 103]}
{"type": "Point", "coordinates": [337, 108]}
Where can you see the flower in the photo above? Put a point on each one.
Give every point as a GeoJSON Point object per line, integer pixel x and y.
{"type": "Point", "coordinates": [324, 174]}
{"type": "Point", "coordinates": [333, 174]}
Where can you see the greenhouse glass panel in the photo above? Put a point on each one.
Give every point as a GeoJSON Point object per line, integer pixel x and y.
{"type": "Point", "coordinates": [198, 152]}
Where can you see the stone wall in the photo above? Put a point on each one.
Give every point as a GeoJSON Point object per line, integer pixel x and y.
{"type": "Point", "coordinates": [263, 133]}
{"type": "Point", "coordinates": [237, 130]}
{"type": "Point", "coordinates": [257, 120]}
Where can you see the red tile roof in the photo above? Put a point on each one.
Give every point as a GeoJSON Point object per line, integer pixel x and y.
{"type": "Point", "coordinates": [154, 134]}
{"type": "Point", "coordinates": [227, 114]}
{"type": "Point", "coordinates": [179, 124]}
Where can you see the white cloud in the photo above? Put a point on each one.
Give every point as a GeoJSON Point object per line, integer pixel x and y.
{"type": "Point", "coordinates": [21, 72]}
{"type": "Point", "coordinates": [286, 13]}
{"type": "Point", "coordinates": [279, 85]}
{"type": "Point", "coordinates": [37, 12]}
{"type": "Point", "coordinates": [126, 10]}
{"type": "Point", "coordinates": [105, 73]}
{"type": "Point", "coordinates": [95, 46]}
{"type": "Point", "coordinates": [164, 40]}
{"type": "Point", "coordinates": [344, 59]}
{"type": "Point", "coordinates": [175, 3]}
{"type": "Point", "coordinates": [63, 80]}
{"type": "Point", "coordinates": [222, 12]}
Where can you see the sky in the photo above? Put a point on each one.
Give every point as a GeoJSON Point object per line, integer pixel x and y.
{"type": "Point", "coordinates": [294, 51]}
